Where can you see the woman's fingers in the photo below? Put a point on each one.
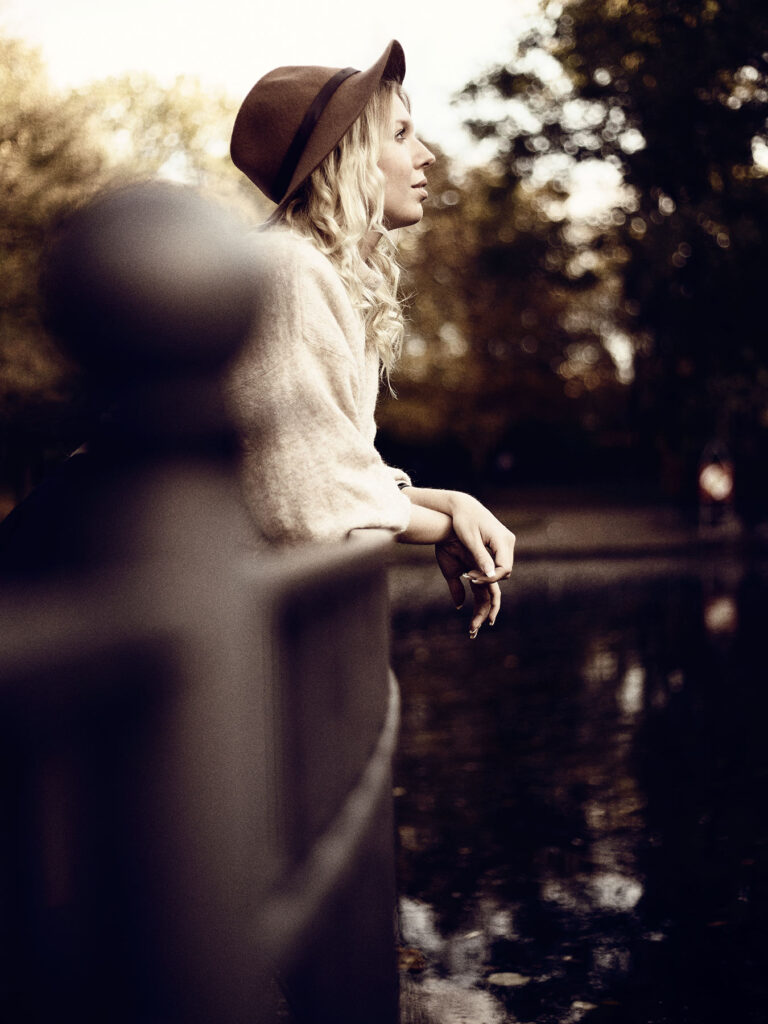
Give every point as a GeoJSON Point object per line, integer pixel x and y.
{"type": "Point", "coordinates": [492, 547]}
{"type": "Point", "coordinates": [487, 604]}
{"type": "Point", "coordinates": [456, 560]}
{"type": "Point", "coordinates": [452, 564]}
{"type": "Point", "coordinates": [495, 603]}
{"type": "Point", "coordinates": [483, 559]}
{"type": "Point", "coordinates": [499, 572]}
{"type": "Point", "coordinates": [502, 546]}
{"type": "Point", "coordinates": [456, 588]}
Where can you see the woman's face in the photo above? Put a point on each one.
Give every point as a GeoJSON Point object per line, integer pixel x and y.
{"type": "Point", "coordinates": [403, 161]}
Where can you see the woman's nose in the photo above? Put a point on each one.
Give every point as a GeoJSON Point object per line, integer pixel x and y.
{"type": "Point", "coordinates": [425, 157]}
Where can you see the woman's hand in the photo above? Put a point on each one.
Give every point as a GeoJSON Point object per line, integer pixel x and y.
{"type": "Point", "coordinates": [490, 543]}
{"type": "Point", "coordinates": [456, 563]}
{"type": "Point", "coordinates": [470, 543]}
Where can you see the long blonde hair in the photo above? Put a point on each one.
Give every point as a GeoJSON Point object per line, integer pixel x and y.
{"type": "Point", "coordinates": [337, 208]}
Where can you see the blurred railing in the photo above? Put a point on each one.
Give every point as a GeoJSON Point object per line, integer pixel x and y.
{"type": "Point", "coordinates": [196, 736]}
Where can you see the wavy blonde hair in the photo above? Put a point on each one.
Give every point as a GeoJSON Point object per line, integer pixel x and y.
{"type": "Point", "coordinates": [337, 208]}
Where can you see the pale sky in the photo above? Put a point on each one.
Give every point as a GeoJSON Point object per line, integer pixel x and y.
{"type": "Point", "coordinates": [231, 43]}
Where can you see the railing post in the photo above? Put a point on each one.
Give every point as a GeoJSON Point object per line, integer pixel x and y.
{"type": "Point", "coordinates": [330, 919]}
{"type": "Point", "coordinates": [195, 740]}
{"type": "Point", "coordinates": [129, 789]}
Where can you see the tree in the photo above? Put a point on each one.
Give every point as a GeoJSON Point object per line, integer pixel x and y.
{"type": "Point", "coordinates": [57, 151]}
{"type": "Point", "coordinates": [180, 132]}
{"type": "Point", "coordinates": [673, 95]}
{"type": "Point", "coordinates": [505, 357]}
{"type": "Point", "coordinates": [47, 162]}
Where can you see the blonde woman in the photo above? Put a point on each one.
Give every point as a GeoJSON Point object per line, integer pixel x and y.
{"type": "Point", "coordinates": [336, 150]}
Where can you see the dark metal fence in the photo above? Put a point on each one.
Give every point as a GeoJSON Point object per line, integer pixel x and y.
{"type": "Point", "coordinates": [196, 736]}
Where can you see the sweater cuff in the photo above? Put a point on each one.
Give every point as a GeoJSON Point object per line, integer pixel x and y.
{"type": "Point", "coordinates": [401, 479]}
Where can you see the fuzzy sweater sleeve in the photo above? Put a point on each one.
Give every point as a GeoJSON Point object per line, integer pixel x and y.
{"type": "Point", "coordinates": [302, 396]}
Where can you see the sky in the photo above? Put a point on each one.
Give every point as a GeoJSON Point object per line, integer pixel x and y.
{"type": "Point", "coordinates": [231, 43]}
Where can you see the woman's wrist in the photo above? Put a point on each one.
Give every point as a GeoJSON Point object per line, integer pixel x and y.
{"type": "Point", "coordinates": [450, 503]}
{"type": "Point", "coordinates": [459, 501]}
{"type": "Point", "coordinates": [426, 526]}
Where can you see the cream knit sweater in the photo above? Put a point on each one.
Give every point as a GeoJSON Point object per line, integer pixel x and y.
{"type": "Point", "coordinates": [303, 394]}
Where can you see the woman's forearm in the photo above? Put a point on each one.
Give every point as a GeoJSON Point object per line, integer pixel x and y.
{"type": "Point", "coordinates": [485, 537]}
{"type": "Point", "coordinates": [439, 500]}
{"type": "Point", "coordinates": [426, 526]}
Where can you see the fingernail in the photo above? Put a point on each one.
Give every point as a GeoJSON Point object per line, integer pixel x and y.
{"type": "Point", "coordinates": [472, 634]}
{"type": "Point", "coordinates": [459, 607]}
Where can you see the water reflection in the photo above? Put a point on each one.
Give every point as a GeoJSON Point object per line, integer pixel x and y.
{"type": "Point", "coordinates": [582, 823]}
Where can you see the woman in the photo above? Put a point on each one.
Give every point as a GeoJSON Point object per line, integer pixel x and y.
{"type": "Point", "coordinates": [336, 150]}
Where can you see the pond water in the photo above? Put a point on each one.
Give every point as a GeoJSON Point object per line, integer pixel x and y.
{"type": "Point", "coordinates": [581, 798]}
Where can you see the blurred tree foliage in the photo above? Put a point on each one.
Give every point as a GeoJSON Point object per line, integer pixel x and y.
{"type": "Point", "coordinates": [57, 151]}
{"type": "Point", "coordinates": [668, 96]}
{"type": "Point", "coordinates": [47, 162]}
{"type": "Point", "coordinates": [504, 366]}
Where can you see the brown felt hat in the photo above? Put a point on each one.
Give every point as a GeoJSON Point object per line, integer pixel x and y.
{"type": "Point", "coordinates": [293, 117]}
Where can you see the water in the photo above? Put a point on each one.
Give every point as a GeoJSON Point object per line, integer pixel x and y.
{"type": "Point", "coordinates": [581, 799]}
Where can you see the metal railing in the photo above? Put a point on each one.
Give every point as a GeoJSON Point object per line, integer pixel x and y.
{"type": "Point", "coordinates": [197, 736]}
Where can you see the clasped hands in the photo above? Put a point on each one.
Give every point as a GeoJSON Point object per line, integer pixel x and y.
{"type": "Point", "coordinates": [470, 543]}
{"type": "Point", "coordinates": [480, 549]}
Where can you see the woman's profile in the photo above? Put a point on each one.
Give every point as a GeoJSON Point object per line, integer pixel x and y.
{"type": "Point", "coordinates": [337, 151]}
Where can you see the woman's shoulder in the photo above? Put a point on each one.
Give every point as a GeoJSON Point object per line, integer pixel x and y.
{"type": "Point", "coordinates": [281, 249]}
{"type": "Point", "coordinates": [295, 274]}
